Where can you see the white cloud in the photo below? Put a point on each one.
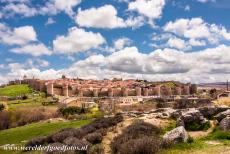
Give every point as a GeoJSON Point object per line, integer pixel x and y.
{"type": "Point", "coordinates": [66, 5]}
{"type": "Point", "coordinates": [106, 17]}
{"type": "Point", "coordinates": [149, 8]}
{"type": "Point", "coordinates": [205, 1]}
{"type": "Point", "coordinates": [17, 36]}
{"type": "Point", "coordinates": [209, 65]}
{"type": "Point", "coordinates": [33, 49]}
{"type": "Point", "coordinates": [26, 9]}
{"type": "Point", "coordinates": [77, 40]}
{"type": "Point", "coordinates": [187, 8]}
{"type": "Point", "coordinates": [50, 21]}
{"type": "Point", "coordinates": [196, 28]}
{"type": "Point", "coordinates": [102, 17]}
{"type": "Point", "coordinates": [121, 43]}
{"type": "Point", "coordinates": [194, 42]}
{"type": "Point", "coordinates": [177, 43]}
{"type": "Point", "coordinates": [18, 8]}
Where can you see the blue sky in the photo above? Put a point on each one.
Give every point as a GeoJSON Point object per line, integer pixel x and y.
{"type": "Point", "coordinates": [185, 40]}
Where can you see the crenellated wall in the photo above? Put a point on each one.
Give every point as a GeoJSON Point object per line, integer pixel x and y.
{"type": "Point", "coordinates": [114, 89]}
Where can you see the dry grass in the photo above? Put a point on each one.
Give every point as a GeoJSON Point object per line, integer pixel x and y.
{"type": "Point", "coordinates": [223, 101]}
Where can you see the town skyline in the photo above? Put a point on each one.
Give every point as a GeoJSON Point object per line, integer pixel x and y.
{"type": "Point", "coordinates": [154, 40]}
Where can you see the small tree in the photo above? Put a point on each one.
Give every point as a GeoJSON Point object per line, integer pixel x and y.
{"type": "Point", "coordinates": [2, 107]}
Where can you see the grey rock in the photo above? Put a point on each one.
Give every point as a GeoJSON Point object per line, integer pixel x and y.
{"type": "Point", "coordinates": [211, 111]}
{"type": "Point", "coordinates": [175, 136]}
{"type": "Point", "coordinates": [222, 115]}
{"type": "Point", "coordinates": [225, 124]}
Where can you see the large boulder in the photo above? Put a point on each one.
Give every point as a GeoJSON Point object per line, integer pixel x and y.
{"type": "Point", "coordinates": [222, 115]}
{"type": "Point", "coordinates": [225, 124]}
{"type": "Point", "coordinates": [175, 136]}
{"type": "Point", "coordinates": [210, 111]}
{"type": "Point", "coordinates": [192, 120]}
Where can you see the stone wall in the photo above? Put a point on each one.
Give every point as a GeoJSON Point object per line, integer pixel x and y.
{"type": "Point", "coordinates": [71, 89]}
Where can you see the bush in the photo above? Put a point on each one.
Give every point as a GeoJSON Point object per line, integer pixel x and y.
{"type": "Point", "coordinates": [4, 120]}
{"type": "Point", "coordinates": [53, 148]}
{"type": "Point", "coordinates": [145, 145]}
{"type": "Point", "coordinates": [2, 107]}
{"type": "Point", "coordinates": [66, 111]}
{"type": "Point", "coordinates": [94, 138]}
{"type": "Point", "coordinates": [61, 136]}
{"type": "Point", "coordinates": [190, 140]}
{"type": "Point", "coordinates": [36, 142]}
{"type": "Point", "coordinates": [142, 128]}
{"type": "Point", "coordinates": [194, 126]}
{"type": "Point", "coordinates": [96, 149]}
{"type": "Point", "coordinates": [102, 123]}
{"type": "Point", "coordinates": [133, 135]}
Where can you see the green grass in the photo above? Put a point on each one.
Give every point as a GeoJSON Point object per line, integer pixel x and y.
{"type": "Point", "coordinates": [30, 102]}
{"type": "Point", "coordinates": [171, 126]}
{"type": "Point", "coordinates": [33, 100]}
{"type": "Point", "coordinates": [169, 84]}
{"type": "Point", "coordinates": [200, 146]}
{"type": "Point", "coordinates": [27, 132]}
{"type": "Point", "coordinates": [15, 90]}
{"type": "Point", "coordinates": [218, 134]}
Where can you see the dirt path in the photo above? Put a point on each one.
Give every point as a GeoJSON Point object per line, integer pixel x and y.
{"type": "Point", "coordinates": [113, 132]}
{"type": "Point", "coordinates": [200, 134]}
{"type": "Point", "coordinates": [117, 130]}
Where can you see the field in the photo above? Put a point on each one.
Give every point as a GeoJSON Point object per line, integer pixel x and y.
{"type": "Point", "coordinates": [32, 101]}
{"type": "Point", "coordinates": [21, 134]}
{"type": "Point", "coordinates": [18, 134]}
{"type": "Point", "coordinates": [15, 90]}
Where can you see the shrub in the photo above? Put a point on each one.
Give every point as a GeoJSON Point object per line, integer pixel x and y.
{"type": "Point", "coordinates": [190, 140]}
{"type": "Point", "coordinates": [4, 120]}
{"type": "Point", "coordinates": [194, 126]}
{"type": "Point", "coordinates": [145, 145]}
{"type": "Point", "coordinates": [102, 123]}
{"type": "Point", "coordinates": [36, 142]}
{"type": "Point", "coordinates": [72, 110]}
{"type": "Point", "coordinates": [71, 141]}
{"type": "Point", "coordinates": [142, 128]}
{"type": "Point", "coordinates": [94, 138]}
{"type": "Point", "coordinates": [2, 107]}
{"type": "Point", "coordinates": [24, 97]}
{"type": "Point", "coordinates": [96, 149]}
{"type": "Point", "coordinates": [61, 136]}
{"type": "Point", "coordinates": [55, 148]}
{"type": "Point", "coordinates": [102, 131]}
{"type": "Point", "coordinates": [134, 132]}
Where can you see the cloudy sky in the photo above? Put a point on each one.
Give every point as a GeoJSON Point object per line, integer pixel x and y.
{"type": "Point", "coordinates": [183, 40]}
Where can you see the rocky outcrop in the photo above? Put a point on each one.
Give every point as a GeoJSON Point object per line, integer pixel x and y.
{"type": "Point", "coordinates": [222, 115]}
{"type": "Point", "coordinates": [210, 111]}
{"type": "Point", "coordinates": [225, 124]}
{"type": "Point", "coordinates": [191, 117]}
{"type": "Point", "coordinates": [175, 136]}
{"type": "Point", "coordinates": [164, 113]}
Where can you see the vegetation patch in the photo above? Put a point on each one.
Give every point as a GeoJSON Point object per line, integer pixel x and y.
{"type": "Point", "coordinates": [27, 132]}
{"type": "Point", "coordinates": [194, 126]}
{"type": "Point", "coordinates": [140, 137]}
{"type": "Point", "coordinates": [169, 127]}
{"type": "Point", "coordinates": [218, 134]}
{"type": "Point", "coordinates": [23, 116]}
{"type": "Point", "coordinates": [15, 90]}
{"type": "Point", "coordinates": [89, 135]}
{"type": "Point", "coordinates": [66, 111]}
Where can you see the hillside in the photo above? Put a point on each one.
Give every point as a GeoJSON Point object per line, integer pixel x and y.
{"type": "Point", "coordinates": [15, 90]}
